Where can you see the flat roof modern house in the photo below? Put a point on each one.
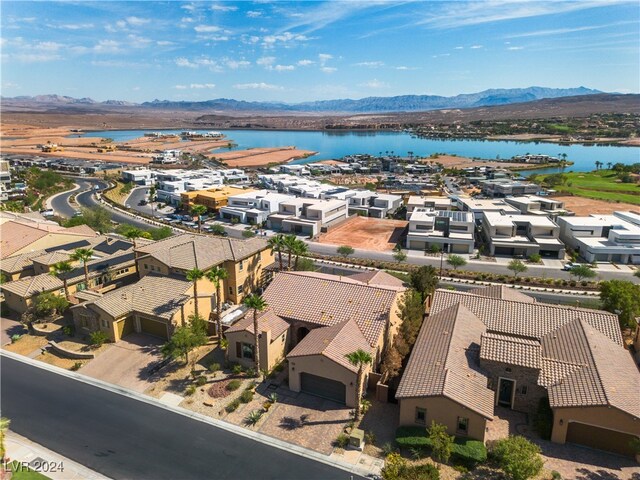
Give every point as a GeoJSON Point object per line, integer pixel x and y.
{"type": "Point", "coordinates": [450, 232]}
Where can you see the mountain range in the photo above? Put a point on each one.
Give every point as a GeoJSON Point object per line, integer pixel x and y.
{"type": "Point", "coordinates": [402, 103]}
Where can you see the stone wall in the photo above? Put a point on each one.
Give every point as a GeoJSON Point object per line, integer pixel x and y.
{"type": "Point", "coordinates": [527, 392]}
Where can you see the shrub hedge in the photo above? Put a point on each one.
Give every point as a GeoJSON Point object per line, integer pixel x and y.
{"type": "Point", "coordinates": [465, 451]}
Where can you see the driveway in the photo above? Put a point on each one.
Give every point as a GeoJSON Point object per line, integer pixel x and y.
{"type": "Point", "coordinates": [9, 328]}
{"type": "Point", "coordinates": [126, 362]}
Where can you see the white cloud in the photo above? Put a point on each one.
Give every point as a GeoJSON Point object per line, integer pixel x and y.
{"type": "Point", "coordinates": [284, 68]}
{"type": "Point", "coordinates": [459, 48]}
{"type": "Point", "coordinates": [138, 42]}
{"type": "Point", "coordinates": [164, 43]}
{"type": "Point", "coordinates": [475, 47]}
{"type": "Point", "coordinates": [107, 46]}
{"type": "Point", "coordinates": [236, 64]}
{"type": "Point", "coordinates": [48, 46]}
{"type": "Point", "coordinates": [562, 31]}
{"type": "Point", "coordinates": [257, 86]}
{"type": "Point", "coordinates": [206, 28]}
{"type": "Point", "coordinates": [266, 61]}
{"type": "Point", "coordinates": [187, 20]}
{"type": "Point", "coordinates": [375, 84]}
{"type": "Point", "coordinates": [10, 85]}
{"type": "Point", "coordinates": [328, 69]}
{"type": "Point", "coordinates": [217, 7]}
{"type": "Point", "coordinates": [254, 13]}
{"type": "Point", "coordinates": [441, 55]}
{"type": "Point", "coordinates": [369, 64]}
{"type": "Point", "coordinates": [137, 21]}
{"type": "Point", "coordinates": [35, 57]}
{"type": "Point", "coordinates": [324, 58]}
{"type": "Point", "coordinates": [180, 87]}
{"type": "Point", "coordinates": [184, 62]}
{"type": "Point", "coordinates": [515, 48]}
{"type": "Point", "coordinates": [286, 39]}
{"type": "Point", "coordinates": [75, 26]}
{"type": "Point", "coordinates": [200, 86]}
{"type": "Point", "coordinates": [305, 63]}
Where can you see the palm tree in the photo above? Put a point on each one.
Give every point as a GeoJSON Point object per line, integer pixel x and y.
{"type": "Point", "coordinates": [216, 275]}
{"type": "Point", "coordinates": [277, 245]}
{"type": "Point", "coordinates": [359, 359]}
{"type": "Point", "coordinates": [609, 165]}
{"type": "Point", "coordinates": [60, 269]}
{"type": "Point", "coordinates": [199, 210]}
{"type": "Point", "coordinates": [194, 275]}
{"type": "Point", "coordinates": [257, 303]}
{"type": "Point", "coordinates": [290, 245]}
{"type": "Point", "coordinates": [4, 426]}
{"type": "Point", "coordinates": [598, 164]}
{"type": "Point", "coordinates": [133, 233]}
{"type": "Point", "coordinates": [300, 248]}
{"type": "Point", "coordinates": [83, 255]}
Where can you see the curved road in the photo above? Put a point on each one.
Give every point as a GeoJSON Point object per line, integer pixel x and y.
{"type": "Point", "coordinates": [85, 197]}
{"type": "Point", "coordinates": [123, 437]}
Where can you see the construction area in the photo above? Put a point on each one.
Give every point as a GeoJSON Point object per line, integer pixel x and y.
{"type": "Point", "coordinates": [367, 233]}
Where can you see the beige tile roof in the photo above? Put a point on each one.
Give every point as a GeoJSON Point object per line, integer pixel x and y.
{"type": "Point", "coordinates": [334, 343]}
{"type": "Point", "coordinates": [53, 257]}
{"type": "Point", "coordinates": [267, 320]}
{"type": "Point", "coordinates": [17, 263]}
{"type": "Point", "coordinates": [326, 300]}
{"type": "Point", "coordinates": [154, 295]}
{"type": "Point", "coordinates": [504, 292]}
{"type": "Point", "coordinates": [444, 361]}
{"type": "Point", "coordinates": [29, 286]}
{"type": "Point", "coordinates": [596, 371]}
{"type": "Point", "coordinates": [525, 319]}
{"type": "Point", "coordinates": [378, 277]}
{"type": "Point", "coordinates": [525, 352]}
{"type": "Point", "coordinates": [15, 235]}
{"type": "Point", "coordinates": [190, 251]}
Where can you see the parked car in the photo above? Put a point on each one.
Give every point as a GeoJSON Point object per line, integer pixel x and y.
{"type": "Point", "coordinates": [142, 202]}
{"type": "Point", "coordinates": [569, 265]}
{"type": "Point", "coordinates": [47, 212]}
{"type": "Point", "coordinates": [77, 214]}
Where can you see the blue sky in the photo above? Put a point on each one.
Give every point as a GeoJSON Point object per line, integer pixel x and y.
{"type": "Point", "coordinates": [299, 51]}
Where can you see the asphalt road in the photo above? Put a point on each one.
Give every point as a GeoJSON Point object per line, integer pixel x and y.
{"type": "Point", "coordinates": [125, 438]}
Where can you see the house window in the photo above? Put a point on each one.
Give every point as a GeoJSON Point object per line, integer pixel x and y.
{"type": "Point", "coordinates": [523, 389]}
{"type": "Point", "coordinates": [241, 264]}
{"type": "Point", "coordinates": [105, 324]}
{"type": "Point", "coordinates": [146, 267]}
{"type": "Point", "coordinates": [421, 415]}
{"type": "Point", "coordinates": [230, 290]}
{"type": "Point", "coordinates": [240, 288]}
{"type": "Point", "coordinates": [462, 425]}
{"type": "Point", "coordinates": [247, 351]}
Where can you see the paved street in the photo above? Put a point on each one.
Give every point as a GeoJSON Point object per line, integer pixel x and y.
{"type": "Point", "coordinates": [121, 437]}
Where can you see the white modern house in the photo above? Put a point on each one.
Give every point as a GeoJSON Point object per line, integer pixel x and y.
{"type": "Point", "coordinates": [139, 177]}
{"type": "Point", "coordinates": [517, 235]}
{"type": "Point", "coordinates": [308, 216]}
{"type": "Point", "coordinates": [536, 205]}
{"type": "Point", "coordinates": [433, 203]}
{"type": "Point", "coordinates": [450, 232]}
{"type": "Point", "coordinates": [505, 187]}
{"type": "Point", "coordinates": [253, 207]}
{"type": "Point", "coordinates": [603, 238]}
{"type": "Point", "coordinates": [478, 207]}
{"type": "Point", "coordinates": [373, 204]}
{"type": "Point", "coordinates": [172, 183]}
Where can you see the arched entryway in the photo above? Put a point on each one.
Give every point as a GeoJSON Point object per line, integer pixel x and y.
{"type": "Point", "coordinates": [301, 333]}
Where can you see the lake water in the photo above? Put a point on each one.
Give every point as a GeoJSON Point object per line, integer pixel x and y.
{"type": "Point", "coordinates": [335, 145]}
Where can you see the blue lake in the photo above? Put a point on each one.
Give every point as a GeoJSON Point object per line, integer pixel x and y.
{"type": "Point", "coordinates": [335, 145]}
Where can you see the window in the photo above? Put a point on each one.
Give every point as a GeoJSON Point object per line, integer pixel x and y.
{"type": "Point", "coordinates": [146, 267]}
{"type": "Point", "coordinates": [241, 265]}
{"type": "Point", "coordinates": [105, 324]}
{"type": "Point", "coordinates": [462, 425]}
{"type": "Point", "coordinates": [421, 415]}
{"type": "Point", "coordinates": [240, 288]}
{"type": "Point", "coordinates": [230, 290]}
{"type": "Point", "coordinates": [523, 389]}
{"type": "Point", "coordinates": [238, 349]}
{"type": "Point", "coordinates": [247, 351]}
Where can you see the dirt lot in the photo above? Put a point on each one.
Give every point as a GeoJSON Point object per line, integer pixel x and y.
{"type": "Point", "coordinates": [367, 233]}
{"type": "Point", "coordinates": [586, 206]}
{"type": "Point", "coordinates": [260, 157]}
{"type": "Point", "coordinates": [451, 161]}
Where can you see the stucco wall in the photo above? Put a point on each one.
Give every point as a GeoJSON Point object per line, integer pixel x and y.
{"type": "Point", "coordinates": [443, 411]}
{"type": "Point", "coordinates": [323, 367]}
{"type": "Point", "coordinates": [271, 351]}
{"type": "Point", "coordinates": [604, 417]}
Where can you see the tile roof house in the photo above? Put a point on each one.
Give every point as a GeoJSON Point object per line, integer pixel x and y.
{"type": "Point", "coordinates": [154, 305]}
{"type": "Point", "coordinates": [327, 317]}
{"type": "Point", "coordinates": [491, 347]}
{"type": "Point", "coordinates": [243, 260]}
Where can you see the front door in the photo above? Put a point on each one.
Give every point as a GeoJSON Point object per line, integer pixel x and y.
{"type": "Point", "coordinates": [505, 392]}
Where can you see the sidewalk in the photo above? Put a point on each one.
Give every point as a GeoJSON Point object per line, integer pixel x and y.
{"type": "Point", "coordinates": [45, 461]}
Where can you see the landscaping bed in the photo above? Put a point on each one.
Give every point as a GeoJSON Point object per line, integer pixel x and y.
{"type": "Point", "coordinates": [220, 388]}
{"type": "Point", "coordinates": [27, 344]}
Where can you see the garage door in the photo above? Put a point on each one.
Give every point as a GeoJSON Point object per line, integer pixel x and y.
{"type": "Point", "coordinates": [157, 329]}
{"type": "Point", "coordinates": [504, 251]}
{"type": "Point", "coordinates": [323, 387]}
{"type": "Point", "coordinates": [459, 248]}
{"type": "Point", "coordinates": [125, 327]}
{"type": "Point", "coordinates": [600, 438]}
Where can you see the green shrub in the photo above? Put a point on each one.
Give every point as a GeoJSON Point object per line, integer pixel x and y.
{"type": "Point", "coordinates": [201, 380]}
{"type": "Point", "coordinates": [233, 385]}
{"type": "Point", "coordinates": [370, 437]}
{"type": "Point", "coordinates": [464, 451]}
{"type": "Point", "coordinates": [237, 369]}
{"type": "Point", "coordinates": [556, 475]}
{"type": "Point", "coordinates": [232, 406]}
{"type": "Point", "coordinates": [98, 338]}
{"type": "Point", "coordinates": [254, 417]}
{"type": "Point", "coordinates": [397, 468]}
{"type": "Point", "coordinates": [251, 372]}
{"type": "Point", "coordinates": [76, 366]}
{"type": "Point", "coordinates": [69, 330]}
{"type": "Point", "coordinates": [15, 338]}
{"type": "Point", "coordinates": [273, 397]}
{"type": "Point", "coordinates": [214, 367]}
{"type": "Point", "coordinates": [518, 457]}
{"type": "Point", "coordinates": [246, 396]}
{"type": "Point", "coordinates": [341, 440]}
{"type": "Point", "coordinates": [190, 390]}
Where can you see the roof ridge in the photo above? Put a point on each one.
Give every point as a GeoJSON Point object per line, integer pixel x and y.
{"type": "Point", "coordinates": [351, 282]}
{"type": "Point", "coordinates": [583, 324]}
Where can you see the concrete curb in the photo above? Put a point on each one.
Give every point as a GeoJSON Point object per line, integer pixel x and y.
{"type": "Point", "coordinates": [47, 202]}
{"type": "Point", "coordinates": [22, 449]}
{"type": "Point", "coordinates": [274, 442]}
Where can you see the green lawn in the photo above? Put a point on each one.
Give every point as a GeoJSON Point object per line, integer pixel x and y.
{"type": "Point", "coordinates": [601, 185]}
{"type": "Point", "coordinates": [22, 474]}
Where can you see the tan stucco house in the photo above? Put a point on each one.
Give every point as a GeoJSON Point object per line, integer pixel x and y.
{"type": "Point", "coordinates": [244, 261]}
{"type": "Point", "coordinates": [155, 305]}
{"type": "Point", "coordinates": [326, 317]}
{"type": "Point", "coordinates": [495, 347]}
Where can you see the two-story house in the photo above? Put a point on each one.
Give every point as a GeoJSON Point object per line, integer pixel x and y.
{"type": "Point", "coordinates": [448, 231]}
